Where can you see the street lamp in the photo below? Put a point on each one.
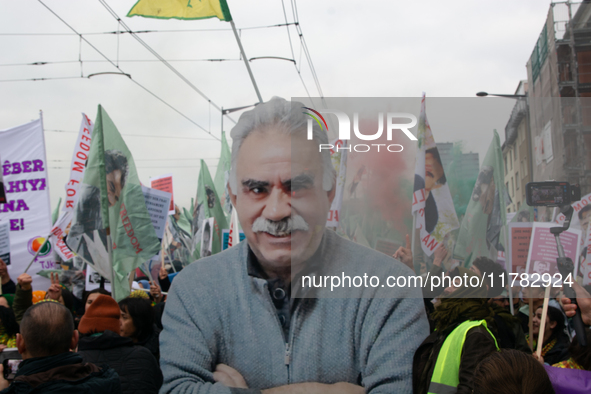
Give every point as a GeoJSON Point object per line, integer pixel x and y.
{"type": "Point", "coordinates": [518, 97]}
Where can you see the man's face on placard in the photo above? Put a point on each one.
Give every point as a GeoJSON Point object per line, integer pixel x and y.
{"type": "Point", "coordinates": [274, 185]}
{"type": "Point", "coordinates": [114, 186]}
{"type": "Point", "coordinates": [487, 197]}
{"type": "Point", "coordinates": [433, 172]}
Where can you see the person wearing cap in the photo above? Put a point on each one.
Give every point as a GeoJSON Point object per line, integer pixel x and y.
{"type": "Point", "coordinates": [101, 344]}
{"type": "Point", "coordinates": [45, 341]}
{"type": "Point", "coordinates": [445, 362]}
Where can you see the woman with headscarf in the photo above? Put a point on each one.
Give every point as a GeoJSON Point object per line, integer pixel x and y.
{"type": "Point", "coordinates": [446, 360]}
{"type": "Point", "coordinates": [556, 342]}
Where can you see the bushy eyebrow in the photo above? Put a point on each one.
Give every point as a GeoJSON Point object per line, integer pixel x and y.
{"type": "Point", "coordinates": [302, 180]}
{"type": "Point", "coordinates": [253, 183]}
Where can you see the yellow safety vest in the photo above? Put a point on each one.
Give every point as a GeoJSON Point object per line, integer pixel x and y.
{"type": "Point", "coordinates": [446, 377]}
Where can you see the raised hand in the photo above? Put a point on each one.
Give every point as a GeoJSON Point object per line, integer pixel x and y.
{"type": "Point", "coordinates": [24, 280]}
{"type": "Point", "coordinates": [55, 290]}
{"type": "Point", "coordinates": [404, 254]}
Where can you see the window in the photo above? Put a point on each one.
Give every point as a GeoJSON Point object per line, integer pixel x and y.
{"type": "Point", "coordinates": [518, 205]}
{"type": "Point", "coordinates": [505, 165]}
{"type": "Point", "coordinates": [507, 186]}
{"type": "Point", "coordinates": [515, 154]}
{"type": "Point", "coordinates": [517, 181]}
{"type": "Point", "coordinates": [510, 161]}
{"type": "Point", "coordinates": [512, 188]}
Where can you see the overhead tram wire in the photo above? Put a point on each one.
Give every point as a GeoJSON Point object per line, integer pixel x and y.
{"type": "Point", "coordinates": [291, 48]}
{"type": "Point", "coordinates": [44, 63]}
{"type": "Point", "coordinates": [157, 55]}
{"type": "Point", "coordinates": [305, 47]}
{"type": "Point", "coordinates": [140, 135]}
{"type": "Point", "coordinates": [133, 80]}
{"type": "Point", "coordinates": [142, 31]}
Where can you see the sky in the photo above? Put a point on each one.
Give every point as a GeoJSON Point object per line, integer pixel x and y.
{"type": "Point", "coordinates": [378, 49]}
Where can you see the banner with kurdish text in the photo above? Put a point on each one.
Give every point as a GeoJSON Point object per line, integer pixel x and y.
{"type": "Point", "coordinates": [61, 227]}
{"type": "Point", "coordinates": [27, 210]}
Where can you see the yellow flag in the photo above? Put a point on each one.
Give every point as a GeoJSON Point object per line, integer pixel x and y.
{"type": "Point", "coordinates": [182, 9]}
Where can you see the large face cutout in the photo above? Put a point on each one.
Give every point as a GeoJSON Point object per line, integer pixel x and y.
{"type": "Point", "coordinates": [114, 186]}
{"type": "Point", "coordinates": [279, 177]}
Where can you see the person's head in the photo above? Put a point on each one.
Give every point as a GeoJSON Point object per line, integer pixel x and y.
{"type": "Point", "coordinates": [8, 320]}
{"type": "Point", "coordinates": [585, 216]}
{"type": "Point", "coordinates": [91, 296]}
{"type": "Point", "coordinates": [524, 216]}
{"type": "Point", "coordinates": [580, 354]}
{"type": "Point", "coordinates": [4, 302]}
{"type": "Point", "coordinates": [47, 329]}
{"type": "Point", "coordinates": [536, 294]}
{"type": "Point", "coordinates": [554, 323]}
{"type": "Point", "coordinates": [137, 318]}
{"type": "Point", "coordinates": [280, 184]}
{"type": "Point", "coordinates": [483, 266]}
{"type": "Point", "coordinates": [465, 283]}
{"type": "Point", "coordinates": [116, 168]}
{"type": "Point", "coordinates": [501, 301]}
{"type": "Point", "coordinates": [510, 371]}
{"type": "Point", "coordinates": [434, 174]}
{"type": "Point", "coordinates": [3, 268]}
{"type": "Point", "coordinates": [102, 315]}
{"type": "Point", "coordinates": [484, 190]}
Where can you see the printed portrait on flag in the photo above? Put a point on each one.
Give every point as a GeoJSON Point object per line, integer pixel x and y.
{"type": "Point", "coordinates": [87, 236]}
{"type": "Point", "coordinates": [486, 195]}
{"type": "Point", "coordinates": [435, 213]}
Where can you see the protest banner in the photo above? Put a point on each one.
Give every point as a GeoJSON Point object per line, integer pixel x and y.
{"type": "Point", "coordinates": [157, 203]}
{"type": "Point", "coordinates": [4, 243]}
{"type": "Point", "coordinates": [481, 230]}
{"type": "Point", "coordinates": [2, 191]}
{"type": "Point", "coordinates": [226, 238]}
{"type": "Point", "coordinates": [164, 183]}
{"type": "Point", "coordinates": [339, 163]}
{"type": "Point", "coordinates": [542, 255]}
{"type": "Point", "coordinates": [585, 258]}
{"type": "Point", "coordinates": [61, 224]}
{"type": "Point", "coordinates": [27, 210]}
{"type": "Point", "coordinates": [433, 209]}
{"type": "Point", "coordinates": [519, 240]}
{"type": "Point", "coordinates": [110, 217]}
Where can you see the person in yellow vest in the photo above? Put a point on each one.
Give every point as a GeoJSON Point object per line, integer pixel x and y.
{"type": "Point", "coordinates": [445, 362]}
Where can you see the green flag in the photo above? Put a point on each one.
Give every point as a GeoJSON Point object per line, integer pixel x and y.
{"type": "Point", "coordinates": [207, 206]}
{"type": "Point", "coordinates": [56, 212]}
{"type": "Point", "coordinates": [481, 230]}
{"type": "Point", "coordinates": [112, 201]}
{"type": "Point", "coordinates": [222, 174]}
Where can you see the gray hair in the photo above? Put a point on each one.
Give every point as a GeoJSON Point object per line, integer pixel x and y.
{"type": "Point", "coordinates": [290, 119]}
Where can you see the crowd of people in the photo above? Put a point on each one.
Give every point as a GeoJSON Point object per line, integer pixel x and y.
{"type": "Point", "coordinates": [241, 321]}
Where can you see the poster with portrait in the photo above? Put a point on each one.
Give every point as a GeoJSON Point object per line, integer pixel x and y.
{"type": "Point", "coordinates": [580, 220]}
{"type": "Point", "coordinates": [93, 280]}
{"type": "Point", "coordinates": [207, 237]}
{"type": "Point", "coordinates": [543, 252]}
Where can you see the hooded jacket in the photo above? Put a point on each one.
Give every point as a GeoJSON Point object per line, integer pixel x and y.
{"type": "Point", "coordinates": [65, 373]}
{"type": "Point", "coordinates": [136, 366]}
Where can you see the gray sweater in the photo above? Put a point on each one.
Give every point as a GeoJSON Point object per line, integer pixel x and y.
{"type": "Point", "coordinates": [217, 313]}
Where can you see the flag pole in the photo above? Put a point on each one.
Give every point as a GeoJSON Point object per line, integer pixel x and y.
{"type": "Point", "coordinates": [245, 61]}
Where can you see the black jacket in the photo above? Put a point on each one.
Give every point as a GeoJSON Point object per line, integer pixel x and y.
{"type": "Point", "coordinates": [64, 373]}
{"type": "Point", "coordinates": [136, 366]}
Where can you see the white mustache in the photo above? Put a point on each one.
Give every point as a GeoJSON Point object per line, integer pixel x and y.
{"type": "Point", "coordinates": [280, 228]}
